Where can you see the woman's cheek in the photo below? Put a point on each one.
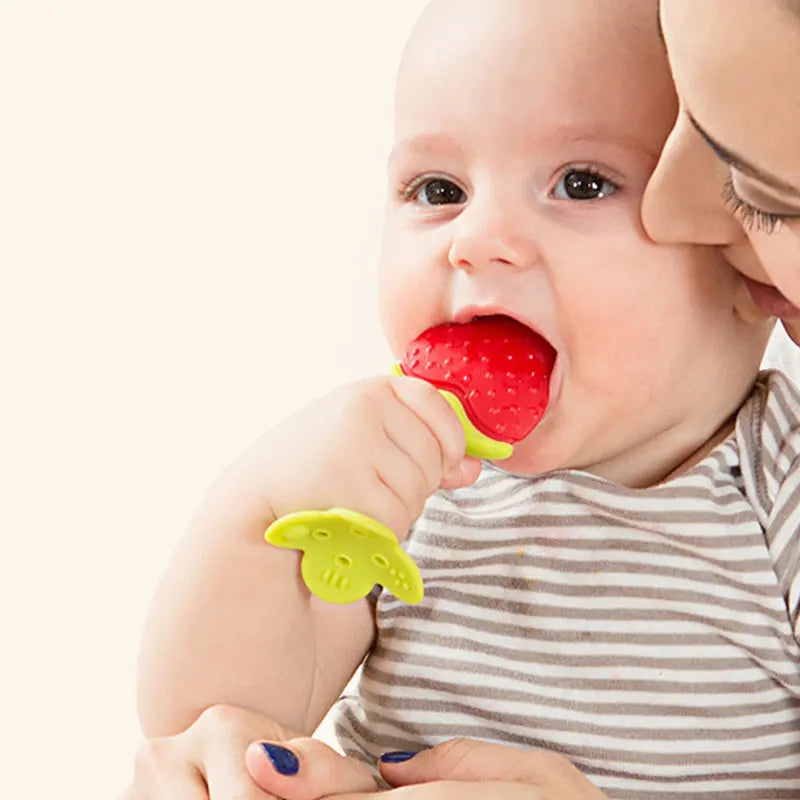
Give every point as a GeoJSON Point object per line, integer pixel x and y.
{"type": "Point", "coordinates": [779, 252]}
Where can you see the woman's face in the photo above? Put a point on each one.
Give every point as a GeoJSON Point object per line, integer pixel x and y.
{"type": "Point", "coordinates": [730, 171]}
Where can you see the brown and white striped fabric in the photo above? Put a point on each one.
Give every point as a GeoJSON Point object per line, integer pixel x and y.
{"type": "Point", "coordinates": [649, 635]}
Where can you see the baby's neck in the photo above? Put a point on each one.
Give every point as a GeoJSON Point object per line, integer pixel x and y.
{"type": "Point", "coordinates": [669, 454]}
{"type": "Point", "coordinates": [724, 431]}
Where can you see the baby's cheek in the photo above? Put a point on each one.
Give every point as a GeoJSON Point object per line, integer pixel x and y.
{"type": "Point", "coordinates": [393, 309]}
{"type": "Point", "coordinates": [624, 365]}
{"type": "Point", "coordinates": [412, 298]}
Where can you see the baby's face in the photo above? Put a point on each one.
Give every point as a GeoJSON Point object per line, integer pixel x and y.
{"type": "Point", "coordinates": [526, 131]}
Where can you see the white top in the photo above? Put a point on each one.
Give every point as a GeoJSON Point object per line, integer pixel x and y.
{"type": "Point", "coordinates": [650, 635]}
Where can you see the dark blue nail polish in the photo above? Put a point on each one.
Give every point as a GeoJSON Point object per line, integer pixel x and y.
{"type": "Point", "coordinates": [398, 756]}
{"type": "Point", "coordinates": [284, 761]}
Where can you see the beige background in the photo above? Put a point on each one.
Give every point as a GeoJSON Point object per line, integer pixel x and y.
{"type": "Point", "coordinates": [190, 199]}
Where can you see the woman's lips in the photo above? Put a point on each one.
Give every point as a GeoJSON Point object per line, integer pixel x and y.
{"type": "Point", "coordinates": [771, 301]}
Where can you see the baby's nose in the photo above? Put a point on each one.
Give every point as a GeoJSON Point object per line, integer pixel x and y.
{"type": "Point", "coordinates": [484, 251]}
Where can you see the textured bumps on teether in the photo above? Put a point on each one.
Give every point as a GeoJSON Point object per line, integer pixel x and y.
{"type": "Point", "coordinates": [495, 373]}
{"type": "Point", "coordinates": [345, 554]}
{"type": "Point", "coordinates": [498, 369]}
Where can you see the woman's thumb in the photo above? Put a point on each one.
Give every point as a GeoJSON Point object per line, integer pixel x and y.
{"type": "Point", "coordinates": [305, 769]}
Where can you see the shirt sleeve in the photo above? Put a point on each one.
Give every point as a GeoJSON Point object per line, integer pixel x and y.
{"type": "Point", "coordinates": [769, 437]}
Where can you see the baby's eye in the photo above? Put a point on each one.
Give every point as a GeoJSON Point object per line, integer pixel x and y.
{"type": "Point", "coordinates": [439, 192]}
{"type": "Point", "coordinates": [583, 184]}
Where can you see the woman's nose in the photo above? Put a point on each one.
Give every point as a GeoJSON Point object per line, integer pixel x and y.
{"type": "Point", "coordinates": [683, 202]}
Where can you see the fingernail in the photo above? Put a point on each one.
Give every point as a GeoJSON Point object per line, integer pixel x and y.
{"type": "Point", "coordinates": [284, 761]}
{"type": "Point", "coordinates": [398, 756]}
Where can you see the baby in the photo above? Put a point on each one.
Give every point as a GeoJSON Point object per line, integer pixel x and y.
{"type": "Point", "coordinates": [623, 589]}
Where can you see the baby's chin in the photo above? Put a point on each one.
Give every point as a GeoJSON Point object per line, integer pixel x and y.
{"type": "Point", "coordinates": [550, 449]}
{"type": "Point", "coordinates": [532, 456]}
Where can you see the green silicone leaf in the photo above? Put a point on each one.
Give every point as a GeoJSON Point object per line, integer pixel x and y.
{"type": "Point", "coordinates": [345, 554]}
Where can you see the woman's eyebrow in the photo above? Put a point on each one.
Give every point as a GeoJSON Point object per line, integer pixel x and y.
{"type": "Point", "coordinates": [742, 164]}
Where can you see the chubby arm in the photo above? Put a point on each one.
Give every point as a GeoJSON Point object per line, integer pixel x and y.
{"type": "Point", "coordinates": [232, 622]}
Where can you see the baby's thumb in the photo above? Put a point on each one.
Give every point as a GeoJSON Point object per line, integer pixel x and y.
{"type": "Point", "coordinates": [305, 769]}
{"type": "Point", "coordinates": [465, 473]}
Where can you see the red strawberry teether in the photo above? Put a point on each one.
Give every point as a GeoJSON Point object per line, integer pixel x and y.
{"type": "Point", "coordinates": [496, 367]}
{"type": "Point", "coordinates": [495, 373]}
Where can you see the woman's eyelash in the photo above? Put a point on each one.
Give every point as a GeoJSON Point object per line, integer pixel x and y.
{"type": "Point", "coordinates": [752, 218]}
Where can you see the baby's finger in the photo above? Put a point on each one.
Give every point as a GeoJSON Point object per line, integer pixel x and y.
{"type": "Point", "coordinates": [399, 472]}
{"type": "Point", "coordinates": [305, 769]}
{"type": "Point", "coordinates": [431, 407]}
{"type": "Point", "coordinates": [413, 435]}
{"type": "Point", "coordinates": [464, 474]}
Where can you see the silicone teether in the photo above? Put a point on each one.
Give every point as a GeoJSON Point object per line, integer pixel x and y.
{"type": "Point", "coordinates": [478, 444]}
{"type": "Point", "coordinates": [496, 368]}
{"type": "Point", "coordinates": [345, 554]}
{"type": "Point", "coordinates": [495, 373]}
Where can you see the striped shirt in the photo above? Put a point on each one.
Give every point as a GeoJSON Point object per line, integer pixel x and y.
{"type": "Point", "coordinates": [649, 635]}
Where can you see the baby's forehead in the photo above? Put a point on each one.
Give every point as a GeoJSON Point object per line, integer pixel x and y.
{"type": "Point", "coordinates": [536, 22]}
{"type": "Point", "coordinates": [526, 66]}
{"type": "Point", "coordinates": [584, 39]}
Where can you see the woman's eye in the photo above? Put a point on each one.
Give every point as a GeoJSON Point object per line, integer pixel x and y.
{"type": "Point", "coordinates": [439, 192]}
{"type": "Point", "coordinates": [752, 218]}
{"type": "Point", "coordinates": [583, 184]}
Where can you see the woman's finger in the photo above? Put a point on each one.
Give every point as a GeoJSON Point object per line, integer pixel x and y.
{"type": "Point", "coordinates": [159, 775]}
{"type": "Point", "coordinates": [450, 790]}
{"type": "Point", "coordinates": [228, 779]}
{"type": "Point", "coordinates": [469, 760]}
{"type": "Point", "coordinates": [305, 769]}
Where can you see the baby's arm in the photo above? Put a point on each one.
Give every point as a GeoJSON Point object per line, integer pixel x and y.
{"type": "Point", "coordinates": [232, 621]}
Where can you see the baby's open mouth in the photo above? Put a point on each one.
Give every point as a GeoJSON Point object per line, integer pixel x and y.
{"type": "Point", "coordinates": [497, 367]}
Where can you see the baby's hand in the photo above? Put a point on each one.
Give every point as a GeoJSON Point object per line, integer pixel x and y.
{"type": "Point", "coordinates": [380, 447]}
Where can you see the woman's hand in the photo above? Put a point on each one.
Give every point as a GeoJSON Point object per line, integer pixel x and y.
{"type": "Point", "coordinates": [463, 768]}
{"type": "Point", "coordinates": [494, 770]}
{"type": "Point", "coordinates": [207, 762]}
